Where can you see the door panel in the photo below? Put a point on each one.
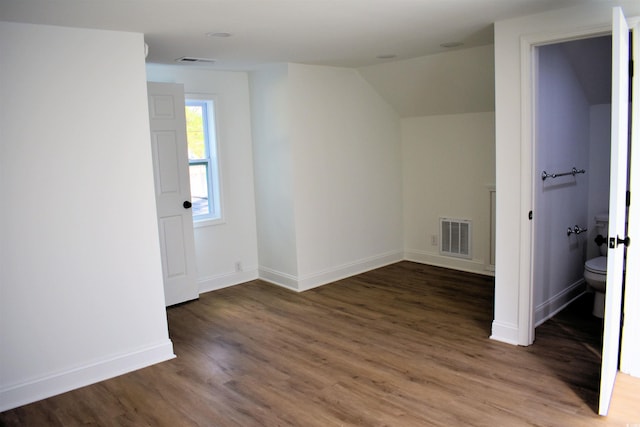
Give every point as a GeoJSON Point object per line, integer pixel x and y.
{"type": "Point", "coordinates": [171, 169]}
{"type": "Point", "coordinates": [630, 347]}
{"type": "Point", "coordinates": [617, 208]}
{"type": "Point", "coordinates": [172, 230]}
{"type": "Point", "coordinates": [169, 172]}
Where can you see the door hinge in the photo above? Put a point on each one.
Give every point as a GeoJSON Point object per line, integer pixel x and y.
{"type": "Point", "coordinates": [631, 67]}
{"type": "Point", "coordinates": [628, 201]}
{"type": "Point", "coordinates": [530, 215]}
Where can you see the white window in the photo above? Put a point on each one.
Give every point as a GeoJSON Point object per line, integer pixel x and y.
{"type": "Point", "coordinates": [203, 158]}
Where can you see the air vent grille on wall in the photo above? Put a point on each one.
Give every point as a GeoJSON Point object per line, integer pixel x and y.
{"type": "Point", "coordinates": [455, 237]}
{"type": "Point", "coordinates": [193, 60]}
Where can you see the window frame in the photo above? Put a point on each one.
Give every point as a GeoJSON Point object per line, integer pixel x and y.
{"type": "Point", "coordinates": [214, 175]}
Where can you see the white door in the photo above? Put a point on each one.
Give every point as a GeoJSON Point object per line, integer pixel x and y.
{"type": "Point", "coordinates": [630, 344]}
{"type": "Point", "coordinates": [173, 196]}
{"type": "Point", "coordinates": [617, 208]}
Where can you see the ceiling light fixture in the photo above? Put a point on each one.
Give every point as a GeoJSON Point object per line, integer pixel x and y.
{"type": "Point", "coordinates": [450, 45]}
{"type": "Point", "coordinates": [218, 35]}
{"type": "Point", "coordinates": [193, 60]}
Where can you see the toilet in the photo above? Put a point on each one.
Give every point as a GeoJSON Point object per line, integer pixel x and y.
{"type": "Point", "coordinates": [595, 269]}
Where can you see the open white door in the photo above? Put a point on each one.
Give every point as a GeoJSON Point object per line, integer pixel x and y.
{"type": "Point", "coordinates": [617, 208]}
{"type": "Point", "coordinates": [173, 195]}
{"type": "Point", "coordinates": [630, 344]}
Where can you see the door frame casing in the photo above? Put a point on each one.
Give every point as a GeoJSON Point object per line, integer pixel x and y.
{"type": "Point", "coordinates": [513, 298]}
{"type": "Point", "coordinates": [528, 88]}
{"type": "Point", "coordinates": [526, 310]}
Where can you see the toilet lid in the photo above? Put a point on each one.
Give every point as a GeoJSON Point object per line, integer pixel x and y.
{"type": "Point", "coordinates": [596, 265]}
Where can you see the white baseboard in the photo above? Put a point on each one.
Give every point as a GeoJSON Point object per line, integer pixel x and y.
{"type": "Point", "coordinates": [504, 332]}
{"type": "Point", "coordinates": [558, 302]}
{"type": "Point", "coordinates": [279, 278]}
{"type": "Point", "coordinates": [213, 283]}
{"type": "Point", "coordinates": [314, 280]}
{"type": "Point", "coordinates": [61, 382]}
{"type": "Point", "coordinates": [343, 271]}
{"type": "Point", "coordinates": [437, 260]}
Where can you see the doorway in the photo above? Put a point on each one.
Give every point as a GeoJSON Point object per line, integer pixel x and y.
{"type": "Point", "coordinates": [571, 167]}
{"type": "Point", "coordinates": [619, 184]}
{"type": "Point", "coordinates": [515, 43]}
{"type": "Point", "coordinates": [571, 180]}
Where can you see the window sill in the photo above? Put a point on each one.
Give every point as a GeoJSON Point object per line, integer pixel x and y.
{"type": "Point", "coordinates": [207, 222]}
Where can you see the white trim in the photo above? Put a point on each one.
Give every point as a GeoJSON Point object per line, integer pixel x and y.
{"type": "Point", "coordinates": [278, 278]}
{"type": "Point", "coordinates": [437, 260]}
{"type": "Point", "coordinates": [559, 302]}
{"type": "Point", "coordinates": [491, 262]}
{"type": "Point", "coordinates": [208, 222]}
{"type": "Point", "coordinates": [225, 280]}
{"type": "Point", "coordinates": [320, 278]}
{"type": "Point", "coordinates": [314, 280]}
{"type": "Point", "coordinates": [526, 334]}
{"type": "Point", "coordinates": [526, 329]}
{"type": "Point", "coordinates": [214, 120]}
{"type": "Point", "coordinates": [61, 382]}
{"type": "Point", "coordinates": [504, 332]}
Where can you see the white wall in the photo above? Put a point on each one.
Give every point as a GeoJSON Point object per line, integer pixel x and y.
{"type": "Point", "coordinates": [448, 170]}
{"type": "Point", "coordinates": [453, 82]}
{"type": "Point", "coordinates": [344, 144]}
{"type": "Point", "coordinates": [274, 179]}
{"type": "Point", "coordinates": [562, 142]}
{"type": "Point", "coordinates": [513, 155]}
{"type": "Point", "coordinates": [81, 296]}
{"type": "Point", "coordinates": [446, 104]}
{"type": "Point", "coordinates": [347, 174]}
{"type": "Point", "coordinates": [219, 246]}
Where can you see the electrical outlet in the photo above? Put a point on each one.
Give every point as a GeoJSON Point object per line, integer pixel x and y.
{"type": "Point", "coordinates": [434, 240]}
{"type": "Point", "coordinates": [238, 266]}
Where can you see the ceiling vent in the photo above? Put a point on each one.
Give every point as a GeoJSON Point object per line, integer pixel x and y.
{"type": "Point", "coordinates": [194, 60]}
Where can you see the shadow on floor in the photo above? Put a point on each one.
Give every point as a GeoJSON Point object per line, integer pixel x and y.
{"type": "Point", "coordinates": [580, 333]}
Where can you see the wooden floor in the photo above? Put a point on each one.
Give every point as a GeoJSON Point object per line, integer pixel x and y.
{"type": "Point", "coordinates": [405, 345]}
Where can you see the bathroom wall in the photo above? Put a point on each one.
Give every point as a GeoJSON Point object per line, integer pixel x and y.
{"type": "Point", "coordinates": [562, 142]}
{"type": "Point", "coordinates": [599, 167]}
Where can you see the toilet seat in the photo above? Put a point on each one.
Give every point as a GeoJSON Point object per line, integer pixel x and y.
{"type": "Point", "coordinates": [597, 265]}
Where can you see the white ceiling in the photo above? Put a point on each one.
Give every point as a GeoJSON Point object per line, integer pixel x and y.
{"type": "Point", "coordinates": [350, 33]}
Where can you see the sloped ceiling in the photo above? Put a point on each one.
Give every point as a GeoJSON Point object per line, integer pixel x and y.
{"type": "Point", "coordinates": [591, 62]}
{"type": "Point", "coordinates": [460, 81]}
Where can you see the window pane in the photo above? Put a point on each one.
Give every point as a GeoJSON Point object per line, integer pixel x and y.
{"type": "Point", "coordinates": [199, 190]}
{"type": "Point", "coordinates": [203, 162]}
{"type": "Point", "coordinates": [196, 131]}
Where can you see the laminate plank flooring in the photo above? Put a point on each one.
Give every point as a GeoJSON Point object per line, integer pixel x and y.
{"type": "Point", "coordinates": [403, 345]}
